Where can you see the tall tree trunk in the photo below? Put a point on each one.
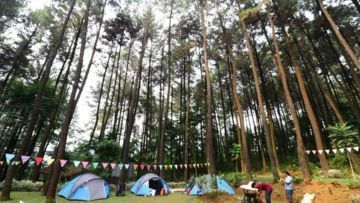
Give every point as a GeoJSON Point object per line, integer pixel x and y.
{"type": "Point", "coordinates": [51, 192]}
{"type": "Point", "coordinates": [160, 153]}
{"type": "Point", "coordinates": [209, 137]}
{"type": "Point", "coordinates": [302, 156]}
{"type": "Point", "coordinates": [260, 102]}
{"type": "Point", "coordinates": [238, 107]}
{"type": "Point", "coordinates": [5, 194]}
{"type": "Point", "coordinates": [308, 107]}
{"type": "Point", "coordinates": [133, 102]}
{"type": "Point", "coordinates": [339, 36]}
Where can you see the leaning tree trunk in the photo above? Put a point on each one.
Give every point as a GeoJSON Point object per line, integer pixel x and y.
{"type": "Point", "coordinates": [261, 103]}
{"type": "Point", "coordinates": [51, 192]}
{"type": "Point", "coordinates": [5, 194]}
{"type": "Point", "coordinates": [302, 156]}
{"type": "Point", "coordinates": [339, 36]}
{"type": "Point", "coordinates": [309, 109]}
{"type": "Point", "coordinates": [209, 137]}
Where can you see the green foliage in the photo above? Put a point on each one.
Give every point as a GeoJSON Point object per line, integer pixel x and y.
{"type": "Point", "coordinates": [24, 186]}
{"type": "Point", "coordinates": [339, 161]}
{"type": "Point", "coordinates": [343, 135]}
{"type": "Point", "coordinates": [235, 152]}
{"type": "Point", "coordinates": [233, 179]}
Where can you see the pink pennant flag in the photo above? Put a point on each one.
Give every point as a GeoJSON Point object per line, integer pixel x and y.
{"type": "Point", "coordinates": [155, 166]}
{"type": "Point", "coordinates": [135, 166]}
{"type": "Point", "coordinates": [142, 166]}
{"type": "Point", "coordinates": [104, 165]}
{"type": "Point", "coordinates": [181, 166]}
{"type": "Point", "coordinates": [308, 151]}
{"type": "Point", "coordinates": [24, 159]}
{"type": "Point", "coordinates": [85, 164]}
{"type": "Point", "coordinates": [148, 167]}
{"type": "Point", "coordinates": [63, 162]}
{"type": "Point", "coordinates": [113, 165]}
{"type": "Point", "coordinates": [190, 166]}
{"type": "Point", "coordinates": [38, 160]}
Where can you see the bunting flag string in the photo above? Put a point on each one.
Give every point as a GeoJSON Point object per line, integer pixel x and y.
{"type": "Point", "coordinates": [76, 163]}
{"type": "Point", "coordinates": [95, 165]}
{"type": "Point", "coordinates": [24, 159]}
{"type": "Point", "coordinates": [84, 164]}
{"type": "Point", "coordinates": [113, 166]}
{"type": "Point", "coordinates": [63, 162]}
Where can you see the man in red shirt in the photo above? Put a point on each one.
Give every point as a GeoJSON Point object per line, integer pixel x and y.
{"type": "Point", "coordinates": [264, 187]}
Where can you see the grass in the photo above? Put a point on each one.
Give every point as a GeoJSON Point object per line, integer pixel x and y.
{"type": "Point", "coordinates": [35, 197]}
{"type": "Point", "coordinates": [339, 180]}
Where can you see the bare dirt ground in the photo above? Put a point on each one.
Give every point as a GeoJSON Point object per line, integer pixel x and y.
{"type": "Point", "coordinates": [331, 192]}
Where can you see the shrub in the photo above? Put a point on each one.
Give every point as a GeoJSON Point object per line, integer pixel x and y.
{"type": "Point", "coordinates": [339, 161]}
{"type": "Point", "coordinates": [333, 173]}
{"type": "Point", "coordinates": [233, 179]}
{"type": "Point", "coordinates": [24, 186]}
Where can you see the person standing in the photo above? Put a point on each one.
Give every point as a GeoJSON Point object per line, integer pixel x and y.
{"type": "Point", "coordinates": [264, 187]}
{"type": "Point", "coordinates": [288, 185]}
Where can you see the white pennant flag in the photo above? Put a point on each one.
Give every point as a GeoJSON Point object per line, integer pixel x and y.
{"type": "Point", "coordinates": [320, 151]}
{"type": "Point", "coordinates": [327, 151]}
{"type": "Point", "coordinates": [308, 151]}
{"type": "Point", "coordinates": [334, 150]}
{"type": "Point", "coordinates": [356, 148]}
{"type": "Point", "coordinates": [349, 149]}
{"type": "Point", "coordinates": [342, 150]}
{"type": "Point", "coordinates": [314, 151]}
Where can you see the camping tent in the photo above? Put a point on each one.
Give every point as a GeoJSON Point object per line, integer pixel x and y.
{"type": "Point", "coordinates": [147, 182]}
{"type": "Point", "coordinates": [196, 188]}
{"type": "Point", "coordinates": [85, 187]}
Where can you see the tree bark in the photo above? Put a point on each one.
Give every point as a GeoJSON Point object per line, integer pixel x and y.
{"type": "Point", "coordinates": [5, 194]}
{"type": "Point", "coordinates": [51, 192]}
{"type": "Point", "coordinates": [209, 137]}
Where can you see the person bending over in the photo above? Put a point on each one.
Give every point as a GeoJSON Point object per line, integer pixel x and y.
{"type": "Point", "coordinates": [264, 187]}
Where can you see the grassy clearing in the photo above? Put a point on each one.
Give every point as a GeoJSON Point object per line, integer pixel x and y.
{"type": "Point", "coordinates": [35, 197]}
{"type": "Point", "coordinates": [339, 180]}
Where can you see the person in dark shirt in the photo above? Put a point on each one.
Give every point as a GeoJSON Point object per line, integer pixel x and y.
{"type": "Point", "coordinates": [264, 187]}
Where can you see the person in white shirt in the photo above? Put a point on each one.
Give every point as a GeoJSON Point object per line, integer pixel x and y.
{"type": "Point", "coordinates": [288, 184]}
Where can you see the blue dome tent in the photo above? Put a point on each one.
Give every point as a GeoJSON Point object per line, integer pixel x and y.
{"type": "Point", "coordinates": [194, 188]}
{"type": "Point", "coordinates": [85, 187]}
{"type": "Point", "coordinates": [149, 181]}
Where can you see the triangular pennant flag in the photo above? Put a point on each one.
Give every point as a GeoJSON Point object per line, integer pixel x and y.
{"type": "Point", "coordinates": [185, 165]}
{"type": "Point", "coordinates": [13, 163]}
{"type": "Point", "coordinates": [176, 166]}
{"type": "Point", "coordinates": [327, 151]}
{"type": "Point", "coordinates": [342, 150]}
{"type": "Point", "coordinates": [314, 151]}
{"type": "Point", "coordinates": [190, 166]}
{"type": "Point", "coordinates": [349, 149]}
{"type": "Point", "coordinates": [170, 166]}
{"type": "Point", "coordinates": [334, 150]}
{"type": "Point", "coordinates": [1, 163]}
{"type": "Point", "coordinates": [17, 162]}
{"type": "Point", "coordinates": [49, 161]}
{"type": "Point", "coordinates": [113, 166]}
{"type": "Point", "coordinates": [95, 164]}
{"type": "Point", "coordinates": [166, 167]}
{"type": "Point", "coordinates": [84, 164]}
{"type": "Point", "coordinates": [38, 160]}
{"type": "Point", "coordinates": [148, 167]}
{"type": "Point", "coordinates": [24, 159]}
{"type": "Point", "coordinates": [308, 151]}
{"type": "Point", "coordinates": [104, 165]}
{"type": "Point", "coordinates": [127, 166]}
{"type": "Point", "coordinates": [201, 165]}
{"type": "Point", "coordinates": [356, 148]}
{"type": "Point", "coordinates": [181, 166]}
{"type": "Point", "coordinates": [142, 166]}
{"type": "Point", "coordinates": [121, 166]}
{"type": "Point", "coordinates": [160, 166]}
{"type": "Point", "coordinates": [155, 166]}
{"type": "Point", "coordinates": [135, 166]}
{"type": "Point", "coordinates": [320, 151]}
{"type": "Point", "coordinates": [76, 163]}
{"type": "Point", "coordinates": [8, 162]}
{"type": "Point", "coordinates": [9, 157]}
{"type": "Point", "coordinates": [63, 162]}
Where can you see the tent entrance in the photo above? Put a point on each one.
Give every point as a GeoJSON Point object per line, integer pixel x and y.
{"type": "Point", "coordinates": [156, 184]}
